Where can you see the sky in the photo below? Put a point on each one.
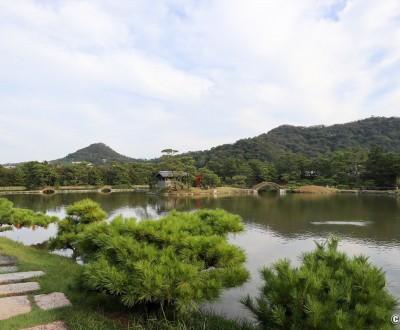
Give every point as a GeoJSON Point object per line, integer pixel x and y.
{"type": "Point", "coordinates": [142, 76]}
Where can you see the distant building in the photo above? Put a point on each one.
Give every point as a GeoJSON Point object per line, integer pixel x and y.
{"type": "Point", "coordinates": [85, 163]}
{"type": "Point", "coordinates": [167, 178]}
{"type": "Point", "coordinates": [9, 165]}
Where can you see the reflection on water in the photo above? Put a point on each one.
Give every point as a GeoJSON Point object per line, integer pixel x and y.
{"type": "Point", "coordinates": [348, 223]}
{"type": "Point", "coordinates": [31, 237]}
{"type": "Point", "coordinates": [277, 226]}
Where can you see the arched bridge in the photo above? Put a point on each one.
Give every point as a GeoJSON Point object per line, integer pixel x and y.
{"type": "Point", "coordinates": [48, 191]}
{"type": "Point", "coordinates": [268, 184]}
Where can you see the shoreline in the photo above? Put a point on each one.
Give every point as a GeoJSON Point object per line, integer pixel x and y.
{"type": "Point", "coordinates": [325, 190]}
{"type": "Point", "coordinates": [67, 190]}
{"type": "Point", "coordinates": [219, 191]}
{"type": "Point", "coordinates": [210, 192]}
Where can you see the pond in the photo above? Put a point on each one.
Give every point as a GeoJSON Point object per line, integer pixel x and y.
{"type": "Point", "coordinates": [277, 226]}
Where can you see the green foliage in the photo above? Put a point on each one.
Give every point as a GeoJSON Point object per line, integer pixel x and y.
{"type": "Point", "coordinates": [382, 167]}
{"type": "Point", "coordinates": [238, 181]}
{"type": "Point", "coordinates": [311, 142]}
{"type": "Point", "coordinates": [292, 167]}
{"type": "Point", "coordinates": [44, 174]}
{"type": "Point", "coordinates": [19, 176]}
{"type": "Point", "coordinates": [79, 215]}
{"type": "Point", "coordinates": [119, 175]}
{"type": "Point", "coordinates": [176, 261]}
{"type": "Point", "coordinates": [6, 177]}
{"type": "Point", "coordinates": [75, 174]}
{"type": "Point", "coordinates": [328, 291]}
{"type": "Point", "coordinates": [261, 171]}
{"type": "Point", "coordinates": [210, 179]}
{"type": "Point", "coordinates": [321, 181]}
{"type": "Point", "coordinates": [10, 216]}
{"type": "Point", "coordinates": [169, 152]}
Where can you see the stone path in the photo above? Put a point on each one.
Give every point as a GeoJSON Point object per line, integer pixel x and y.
{"type": "Point", "coordinates": [17, 277]}
{"type": "Point", "coordinates": [11, 306]}
{"type": "Point", "coordinates": [7, 260]}
{"type": "Point", "coordinates": [8, 269]}
{"type": "Point", "coordinates": [16, 303]}
{"type": "Point", "coordinates": [18, 288]}
{"type": "Point", "coordinates": [52, 300]}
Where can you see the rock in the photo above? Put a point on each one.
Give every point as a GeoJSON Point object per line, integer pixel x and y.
{"type": "Point", "coordinates": [18, 288]}
{"type": "Point", "coordinates": [8, 269]}
{"type": "Point", "coordinates": [52, 300]}
{"type": "Point", "coordinates": [58, 325]}
{"type": "Point", "coordinates": [7, 260]}
{"type": "Point", "coordinates": [11, 306]}
{"type": "Point", "coordinates": [16, 277]}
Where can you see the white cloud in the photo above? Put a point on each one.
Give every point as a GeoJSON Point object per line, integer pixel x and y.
{"type": "Point", "coordinates": [271, 94]}
{"type": "Point", "coordinates": [154, 78]}
{"type": "Point", "coordinates": [138, 75]}
{"type": "Point", "coordinates": [253, 119]}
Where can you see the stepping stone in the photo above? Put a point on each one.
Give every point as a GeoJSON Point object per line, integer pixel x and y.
{"type": "Point", "coordinates": [11, 306]}
{"type": "Point", "coordinates": [8, 269]}
{"type": "Point", "coordinates": [7, 260]}
{"type": "Point", "coordinates": [16, 277]}
{"type": "Point", "coordinates": [52, 300]}
{"type": "Point", "coordinates": [58, 325]}
{"type": "Point", "coordinates": [18, 288]}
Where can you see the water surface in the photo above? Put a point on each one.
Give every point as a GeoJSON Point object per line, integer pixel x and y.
{"type": "Point", "coordinates": [277, 226]}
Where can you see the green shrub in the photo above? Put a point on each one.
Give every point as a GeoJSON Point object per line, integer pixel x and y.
{"type": "Point", "coordinates": [328, 291]}
{"type": "Point", "coordinates": [176, 261]}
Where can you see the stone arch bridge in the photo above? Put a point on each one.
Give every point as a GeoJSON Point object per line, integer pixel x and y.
{"type": "Point", "coordinates": [260, 185]}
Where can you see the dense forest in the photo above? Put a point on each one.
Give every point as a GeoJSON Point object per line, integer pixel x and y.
{"type": "Point", "coordinates": [311, 141]}
{"type": "Point", "coordinates": [348, 168]}
{"type": "Point", "coordinates": [362, 154]}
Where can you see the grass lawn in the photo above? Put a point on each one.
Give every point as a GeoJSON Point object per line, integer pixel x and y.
{"type": "Point", "coordinates": [316, 190]}
{"type": "Point", "coordinates": [211, 191]}
{"type": "Point", "coordinates": [90, 311]}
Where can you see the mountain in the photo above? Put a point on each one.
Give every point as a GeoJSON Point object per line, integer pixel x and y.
{"type": "Point", "coordinates": [96, 153]}
{"type": "Point", "coordinates": [310, 141]}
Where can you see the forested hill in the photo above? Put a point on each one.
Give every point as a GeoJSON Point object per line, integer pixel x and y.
{"type": "Point", "coordinates": [309, 141]}
{"type": "Point", "coordinates": [97, 153]}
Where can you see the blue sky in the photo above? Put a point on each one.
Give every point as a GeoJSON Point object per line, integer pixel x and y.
{"type": "Point", "coordinates": [143, 76]}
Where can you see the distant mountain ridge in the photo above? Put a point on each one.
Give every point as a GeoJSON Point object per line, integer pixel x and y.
{"type": "Point", "coordinates": [97, 154]}
{"type": "Point", "coordinates": [310, 141]}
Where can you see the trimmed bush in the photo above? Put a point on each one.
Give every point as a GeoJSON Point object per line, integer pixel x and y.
{"type": "Point", "coordinates": [176, 261]}
{"type": "Point", "coordinates": [328, 291]}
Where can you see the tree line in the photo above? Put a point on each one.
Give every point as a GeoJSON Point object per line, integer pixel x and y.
{"type": "Point", "coordinates": [350, 168]}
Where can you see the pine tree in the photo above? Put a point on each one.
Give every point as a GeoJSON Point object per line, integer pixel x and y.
{"type": "Point", "coordinates": [79, 215]}
{"type": "Point", "coordinates": [328, 291]}
{"type": "Point", "coordinates": [11, 216]}
{"type": "Point", "coordinates": [175, 262]}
